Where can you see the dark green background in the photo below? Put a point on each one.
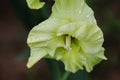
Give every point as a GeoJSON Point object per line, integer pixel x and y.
{"type": "Point", "coordinates": [14, 52]}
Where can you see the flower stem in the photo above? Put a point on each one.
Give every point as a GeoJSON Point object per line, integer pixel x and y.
{"type": "Point", "coordinates": [65, 75]}
{"type": "Point", "coordinates": [54, 69]}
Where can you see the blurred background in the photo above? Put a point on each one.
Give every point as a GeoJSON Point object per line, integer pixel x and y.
{"type": "Point", "coordinates": [16, 20]}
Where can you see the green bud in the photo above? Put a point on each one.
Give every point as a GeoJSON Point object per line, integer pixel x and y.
{"type": "Point", "coordinates": [35, 4]}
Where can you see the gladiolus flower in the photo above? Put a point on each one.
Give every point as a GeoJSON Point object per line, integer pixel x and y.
{"type": "Point", "coordinates": [70, 35]}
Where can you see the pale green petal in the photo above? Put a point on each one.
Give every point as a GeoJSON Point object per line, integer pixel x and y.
{"type": "Point", "coordinates": [73, 10]}
{"type": "Point", "coordinates": [89, 35]}
{"type": "Point", "coordinates": [93, 59]}
{"type": "Point", "coordinates": [43, 40]}
{"type": "Point", "coordinates": [35, 4]}
{"type": "Point", "coordinates": [36, 55]}
{"type": "Point", "coordinates": [76, 59]}
{"type": "Point", "coordinates": [71, 59]}
{"type": "Point", "coordinates": [45, 31]}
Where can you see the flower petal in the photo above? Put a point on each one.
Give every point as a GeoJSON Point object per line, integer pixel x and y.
{"type": "Point", "coordinates": [89, 35]}
{"type": "Point", "coordinates": [71, 59]}
{"type": "Point", "coordinates": [73, 10]}
{"type": "Point", "coordinates": [45, 31]}
{"type": "Point", "coordinates": [93, 59]}
{"type": "Point", "coordinates": [36, 55]}
{"type": "Point", "coordinates": [43, 40]}
{"type": "Point", "coordinates": [76, 59]}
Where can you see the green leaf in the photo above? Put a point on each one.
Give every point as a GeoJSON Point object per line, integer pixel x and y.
{"type": "Point", "coordinates": [35, 4]}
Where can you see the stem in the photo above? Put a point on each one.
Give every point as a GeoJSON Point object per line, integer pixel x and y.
{"type": "Point", "coordinates": [66, 75]}
{"type": "Point", "coordinates": [55, 70]}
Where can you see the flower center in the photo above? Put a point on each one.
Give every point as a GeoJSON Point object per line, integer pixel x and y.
{"type": "Point", "coordinates": [68, 42]}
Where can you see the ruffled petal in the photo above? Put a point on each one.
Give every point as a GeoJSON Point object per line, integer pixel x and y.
{"type": "Point", "coordinates": [89, 35]}
{"type": "Point", "coordinates": [44, 32]}
{"type": "Point", "coordinates": [76, 59]}
{"type": "Point", "coordinates": [36, 55]}
{"type": "Point", "coordinates": [93, 59]}
{"type": "Point", "coordinates": [43, 40]}
{"type": "Point", "coordinates": [72, 60]}
{"type": "Point", "coordinates": [73, 10]}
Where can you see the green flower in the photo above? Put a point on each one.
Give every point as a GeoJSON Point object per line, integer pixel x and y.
{"type": "Point", "coordinates": [35, 4]}
{"type": "Point", "coordinates": [70, 35]}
